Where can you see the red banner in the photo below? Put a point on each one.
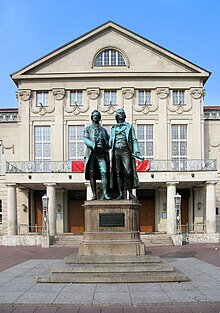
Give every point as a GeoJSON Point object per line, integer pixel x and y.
{"type": "Point", "coordinates": [78, 166]}
{"type": "Point", "coordinates": [144, 166]}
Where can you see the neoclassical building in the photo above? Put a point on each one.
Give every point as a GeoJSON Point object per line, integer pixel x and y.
{"type": "Point", "coordinates": [109, 67]}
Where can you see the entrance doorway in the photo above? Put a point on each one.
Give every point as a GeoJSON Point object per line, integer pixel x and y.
{"type": "Point", "coordinates": [147, 210]}
{"type": "Point", "coordinates": [76, 223]}
{"type": "Point", "coordinates": [38, 211]}
{"type": "Point", "coordinates": [184, 207]}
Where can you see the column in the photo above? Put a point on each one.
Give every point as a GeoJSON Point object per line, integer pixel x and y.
{"type": "Point", "coordinates": [88, 191]}
{"type": "Point", "coordinates": [51, 193]}
{"type": "Point", "coordinates": [210, 207]}
{"type": "Point", "coordinates": [12, 209]}
{"type": "Point", "coordinates": [171, 192]}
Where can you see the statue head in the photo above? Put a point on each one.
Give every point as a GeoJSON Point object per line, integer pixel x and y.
{"type": "Point", "coordinates": [96, 116]}
{"type": "Point", "coordinates": [120, 115]}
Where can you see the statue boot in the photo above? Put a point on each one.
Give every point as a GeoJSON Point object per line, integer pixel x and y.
{"type": "Point", "coordinates": [130, 194]}
{"type": "Point", "coordinates": [105, 195]}
{"type": "Point", "coordinates": [93, 187]}
{"type": "Point", "coordinates": [120, 188]}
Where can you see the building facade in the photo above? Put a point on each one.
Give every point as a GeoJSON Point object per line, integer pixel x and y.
{"type": "Point", "coordinates": [108, 68]}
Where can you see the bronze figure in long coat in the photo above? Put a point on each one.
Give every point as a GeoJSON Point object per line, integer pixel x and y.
{"type": "Point", "coordinates": [124, 145]}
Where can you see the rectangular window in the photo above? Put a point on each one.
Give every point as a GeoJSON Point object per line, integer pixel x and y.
{"type": "Point", "coordinates": [146, 140]}
{"type": "Point", "coordinates": [0, 159]}
{"type": "Point", "coordinates": [179, 147]}
{"type": "Point", "coordinates": [110, 97]}
{"type": "Point", "coordinates": [178, 97]}
{"type": "Point", "coordinates": [0, 211]}
{"type": "Point", "coordinates": [42, 99]}
{"type": "Point", "coordinates": [144, 97]}
{"type": "Point", "coordinates": [76, 98]}
{"type": "Point", "coordinates": [76, 142]}
{"type": "Point", "coordinates": [42, 146]}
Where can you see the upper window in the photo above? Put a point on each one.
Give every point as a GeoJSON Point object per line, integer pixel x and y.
{"type": "Point", "coordinates": [0, 159]}
{"type": "Point", "coordinates": [146, 140]}
{"type": "Point", "coordinates": [42, 99]}
{"type": "Point", "coordinates": [76, 98]}
{"type": "Point", "coordinates": [110, 97]}
{"type": "Point", "coordinates": [42, 145]}
{"type": "Point", "coordinates": [144, 97]}
{"type": "Point", "coordinates": [110, 57]}
{"type": "Point", "coordinates": [178, 97]}
{"type": "Point", "coordinates": [76, 142]}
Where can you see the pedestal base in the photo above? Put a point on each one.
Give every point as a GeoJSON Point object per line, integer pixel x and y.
{"type": "Point", "coordinates": [111, 228]}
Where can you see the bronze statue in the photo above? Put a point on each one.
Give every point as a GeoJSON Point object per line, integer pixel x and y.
{"type": "Point", "coordinates": [125, 149]}
{"type": "Point", "coordinates": [97, 165]}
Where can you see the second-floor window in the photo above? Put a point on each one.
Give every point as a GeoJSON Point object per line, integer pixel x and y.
{"type": "Point", "coordinates": [178, 97]}
{"type": "Point", "coordinates": [42, 99]}
{"type": "Point", "coordinates": [76, 142]}
{"type": "Point", "coordinates": [110, 97]}
{"type": "Point", "coordinates": [179, 146]}
{"type": "Point", "coordinates": [76, 97]}
{"type": "Point", "coordinates": [144, 97]}
{"type": "Point", "coordinates": [146, 141]}
{"type": "Point", "coordinates": [42, 146]}
{"type": "Point", "coordinates": [0, 159]}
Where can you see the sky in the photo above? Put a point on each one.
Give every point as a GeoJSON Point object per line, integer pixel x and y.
{"type": "Point", "coordinates": [30, 29]}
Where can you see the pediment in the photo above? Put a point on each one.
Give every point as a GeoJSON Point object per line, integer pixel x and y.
{"type": "Point", "coordinates": [77, 56]}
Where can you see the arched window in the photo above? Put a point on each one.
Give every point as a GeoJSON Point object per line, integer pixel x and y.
{"type": "Point", "coordinates": [109, 57]}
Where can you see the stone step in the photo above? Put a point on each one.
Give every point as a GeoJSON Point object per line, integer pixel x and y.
{"type": "Point", "coordinates": [112, 269]}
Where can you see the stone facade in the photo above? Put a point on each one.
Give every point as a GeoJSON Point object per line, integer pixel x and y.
{"type": "Point", "coordinates": [162, 95]}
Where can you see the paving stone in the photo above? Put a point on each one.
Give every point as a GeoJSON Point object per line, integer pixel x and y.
{"type": "Point", "coordinates": [139, 298]}
{"type": "Point", "coordinates": [8, 297]}
{"type": "Point", "coordinates": [186, 296]}
{"type": "Point", "coordinates": [121, 298]}
{"type": "Point", "coordinates": [75, 298]}
{"type": "Point", "coordinates": [37, 298]}
{"type": "Point", "coordinates": [25, 309]}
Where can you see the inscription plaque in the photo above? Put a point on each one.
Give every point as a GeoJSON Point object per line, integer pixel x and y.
{"type": "Point", "coordinates": [111, 219]}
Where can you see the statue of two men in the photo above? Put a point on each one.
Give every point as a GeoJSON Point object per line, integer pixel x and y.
{"type": "Point", "coordinates": [124, 145]}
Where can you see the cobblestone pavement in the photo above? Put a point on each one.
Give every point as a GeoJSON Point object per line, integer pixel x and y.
{"type": "Point", "coordinates": [19, 291]}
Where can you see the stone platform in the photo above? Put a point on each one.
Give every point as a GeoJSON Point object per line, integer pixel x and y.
{"type": "Point", "coordinates": [113, 269]}
{"type": "Point", "coordinates": [111, 250]}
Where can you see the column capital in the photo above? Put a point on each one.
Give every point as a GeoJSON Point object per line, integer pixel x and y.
{"type": "Point", "coordinates": [50, 184]}
{"type": "Point", "coordinates": [11, 185]}
{"type": "Point", "coordinates": [211, 182]}
{"type": "Point", "coordinates": [172, 183]}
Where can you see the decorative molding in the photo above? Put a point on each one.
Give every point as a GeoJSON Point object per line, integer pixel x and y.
{"type": "Point", "coordinates": [59, 93]}
{"type": "Point", "coordinates": [127, 93]}
{"type": "Point", "coordinates": [4, 147]}
{"type": "Point", "coordinates": [146, 108]}
{"type": "Point", "coordinates": [93, 93]}
{"type": "Point", "coordinates": [25, 95]}
{"type": "Point", "coordinates": [42, 110]}
{"type": "Point", "coordinates": [75, 109]}
{"type": "Point", "coordinates": [180, 108]}
{"type": "Point", "coordinates": [162, 93]}
{"type": "Point", "coordinates": [197, 93]}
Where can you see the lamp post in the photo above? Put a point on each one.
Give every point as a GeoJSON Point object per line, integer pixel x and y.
{"type": "Point", "coordinates": [177, 199]}
{"type": "Point", "coordinates": [45, 200]}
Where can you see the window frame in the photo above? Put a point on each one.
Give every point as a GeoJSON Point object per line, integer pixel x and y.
{"type": "Point", "coordinates": [147, 95]}
{"type": "Point", "coordinates": [77, 94]}
{"type": "Point", "coordinates": [146, 140]}
{"type": "Point", "coordinates": [43, 103]}
{"type": "Point", "coordinates": [107, 56]}
{"type": "Point", "coordinates": [179, 160]}
{"type": "Point", "coordinates": [110, 97]}
{"type": "Point", "coordinates": [42, 162]}
{"type": "Point", "coordinates": [76, 141]}
{"type": "Point", "coordinates": [179, 97]}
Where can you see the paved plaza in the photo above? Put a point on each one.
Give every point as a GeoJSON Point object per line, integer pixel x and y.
{"type": "Point", "coordinates": [19, 291]}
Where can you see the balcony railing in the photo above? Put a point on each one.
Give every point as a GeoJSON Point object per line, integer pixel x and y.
{"type": "Point", "coordinates": [66, 167]}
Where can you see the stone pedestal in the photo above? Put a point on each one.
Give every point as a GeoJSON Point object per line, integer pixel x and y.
{"type": "Point", "coordinates": [111, 228]}
{"type": "Point", "coordinates": [111, 250]}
